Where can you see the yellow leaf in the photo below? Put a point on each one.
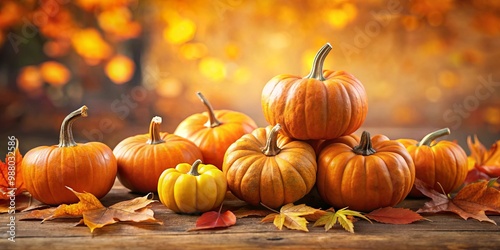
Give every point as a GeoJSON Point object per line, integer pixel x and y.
{"type": "Point", "coordinates": [343, 216]}
{"type": "Point", "coordinates": [291, 216]}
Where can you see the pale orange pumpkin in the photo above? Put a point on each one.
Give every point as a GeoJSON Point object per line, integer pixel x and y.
{"type": "Point", "coordinates": [142, 158]}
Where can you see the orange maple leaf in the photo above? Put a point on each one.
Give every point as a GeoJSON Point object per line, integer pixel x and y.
{"type": "Point", "coordinates": [11, 178]}
{"type": "Point", "coordinates": [483, 164]}
{"type": "Point", "coordinates": [472, 201]}
{"type": "Point", "coordinates": [95, 215]}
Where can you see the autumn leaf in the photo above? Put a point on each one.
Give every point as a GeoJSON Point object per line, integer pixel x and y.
{"type": "Point", "coordinates": [24, 202]}
{"type": "Point", "coordinates": [483, 164]}
{"type": "Point", "coordinates": [472, 201]}
{"type": "Point", "coordinates": [291, 216]}
{"type": "Point", "coordinates": [213, 219]}
{"type": "Point", "coordinates": [343, 216]}
{"type": "Point", "coordinates": [11, 185]}
{"type": "Point", "coordinates": [391, 215]}
{"type": "Point", "coordinates": [95, 215]}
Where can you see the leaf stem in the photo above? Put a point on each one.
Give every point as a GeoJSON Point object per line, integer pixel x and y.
{"type": "Point", "coordinates": [270, 209]}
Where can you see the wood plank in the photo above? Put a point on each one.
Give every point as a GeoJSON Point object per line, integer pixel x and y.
{"type": "Point", "coordinates": [444, 231]}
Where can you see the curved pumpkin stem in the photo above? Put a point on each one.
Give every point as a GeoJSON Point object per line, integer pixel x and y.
{"type": "Point", "coordinates": [66, 133]}
{"type": "Point", "coordinates": [154, 131]}
{"type": "Point", "coordinates": [319, 59]}
{"type": "Point", "coordinates": [194, 168]}
{"type": "Point", "coordinates": [365, 145]}
{"type": "Point", "coordinates": [427, 140]}
{"type": "Point", "coordinates": [271, 148]}
{"type": "Point", "coordinates": [212, 121]}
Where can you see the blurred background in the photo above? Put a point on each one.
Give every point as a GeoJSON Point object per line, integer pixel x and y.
{"type": "Point", "coordinates": [425, 64]}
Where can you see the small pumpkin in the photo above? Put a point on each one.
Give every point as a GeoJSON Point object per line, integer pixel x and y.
{"type": "Point", "coordinates": [142, 158]}
{"type": "Point", "coordinates": [442, 165]}
{"type": "Point", "coordinates": [364, 174]}
{"type": "Point", "coordinates": [195, 188]}
{"type": "Point", "coordinates": [322, 105]}
{"type": "Point", "coordinates": [89, 167]}
{"type": "Point", "coordinates": [213, 131]}
{"type": "Point", "coordinates": [269, 168]}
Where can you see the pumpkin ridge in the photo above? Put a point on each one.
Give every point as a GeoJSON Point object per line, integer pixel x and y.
{"type": "Point", "coordinates": [293, 171]}
{"type": "Point", "coordinates": [389, 179]}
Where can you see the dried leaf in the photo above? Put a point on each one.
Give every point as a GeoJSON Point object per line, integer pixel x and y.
{"type": "Point", "coordinates": [483, 164]}
{"type": "Point", "coordinates": [472, 201]}
{"type": "Point", "coordinates": [213, 219]}
{"type": "Point", "coordinates": [391, 215]}
{"type": "Point", "coordinates": [343, 216]}
{"type": "Point", "coordinates": [24, 202]}
{"type": "Point", "coordinates": [11, 180]}
{"type": "Point", "coordinates": [291, 216]}
{"type": "Point", "coordinates": [95, 215]}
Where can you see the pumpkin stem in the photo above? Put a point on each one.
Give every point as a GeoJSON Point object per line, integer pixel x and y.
{"type": "Point", "coordinates": [194, 168]}
{"type": "Point", "coordinates": [154, 131]}
{"type": "Point", "coordinates": [212, 121]}
{"type": "Point", "coordinates": [319, 59]}
{"type": "Point", "coordinates": [427, 140]}
{"type": "Point", "coordinates": [271, 148]}
{"type": "Point", "coordinates": [66, 134]}
{"type": "Point", "coordinates": [365, 145]}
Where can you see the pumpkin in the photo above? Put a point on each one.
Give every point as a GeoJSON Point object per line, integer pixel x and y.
{"type": "Point", "coordinates": [89, 167]}
{"type": "Point", "coordinates": [142, 158]}
{"type": "Point", "coordinates": [269, 168]}
{"type": "Point", "coordinates": [214, 131]}
{"type": "Point", "coordinates": [364, 174]}
{"type": "Point", "coordinates": [442, 165]}
{"type": "Point", "coordinates": [322, 105]}
{"type": "Point", "coordinates": [195, 188]}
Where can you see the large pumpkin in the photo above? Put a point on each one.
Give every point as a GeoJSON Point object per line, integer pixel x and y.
{"type": "Point", "coordinates": [142, 158]}
{"type": "Point", "coordinates": [89, 167]}
{"type": "Point", "coordinates": [269, 168]}
{"type": "Point", "coordinates": [364, 174]}
{"type": "Point", "coordinates": [442, 165]}
{"type": "Point", "coordinates": [322, 105]}
{"type": "Point", "coordinates": [214, 131]}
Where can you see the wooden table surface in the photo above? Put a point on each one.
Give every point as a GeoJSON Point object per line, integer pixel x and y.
{"type": "Point", "coordinates": [444, 231]}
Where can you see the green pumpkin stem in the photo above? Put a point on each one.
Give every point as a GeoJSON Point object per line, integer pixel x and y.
{"type": "Point", "coordinates": [212, 120]}
{"type": "Point", "coordinates": [427, 140]}
{"type": "Point", "coordinates": [319, 60]}
{"type": "Point", "coordinates": [154, 131]}
{"type": "Point", "coordinates": [271, 148]}
{"type": "Point", "coordinates": [194, 168]}
{"type": "Point", "coordinates": [365, 145]}
{"type": "Point", "coordinates": [66, 133]}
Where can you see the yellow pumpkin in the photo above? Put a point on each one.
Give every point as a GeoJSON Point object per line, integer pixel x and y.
{"type": "Point", "coordinates": [193, 188]}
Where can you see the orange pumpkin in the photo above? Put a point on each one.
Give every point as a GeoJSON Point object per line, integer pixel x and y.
{"type": "Point", "coordinates": [442, 165]}
{"type": "Point", "coordinates": [89, 167]}
{"type": "Point", "coordinates": [142, 158]}
{"type": "Point", "coordinates": [364, 174]}
{"type": "Point", "coordinates": [269, 168]}
{"type": "Point", "coordinates": [322, 105]}
{"type": "Point", "coordinates": [214, 131]}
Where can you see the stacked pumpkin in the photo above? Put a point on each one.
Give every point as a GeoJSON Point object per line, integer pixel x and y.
{"type": "Point", "coordinates": [325, 105]}
{"type": "Point", "coordinates": [309, 142]}
{"type": "Point", "coordinates": [276, 165]}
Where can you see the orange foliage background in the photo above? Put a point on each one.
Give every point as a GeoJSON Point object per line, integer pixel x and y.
{"type": "Point", "coordinates": [423, 63]}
